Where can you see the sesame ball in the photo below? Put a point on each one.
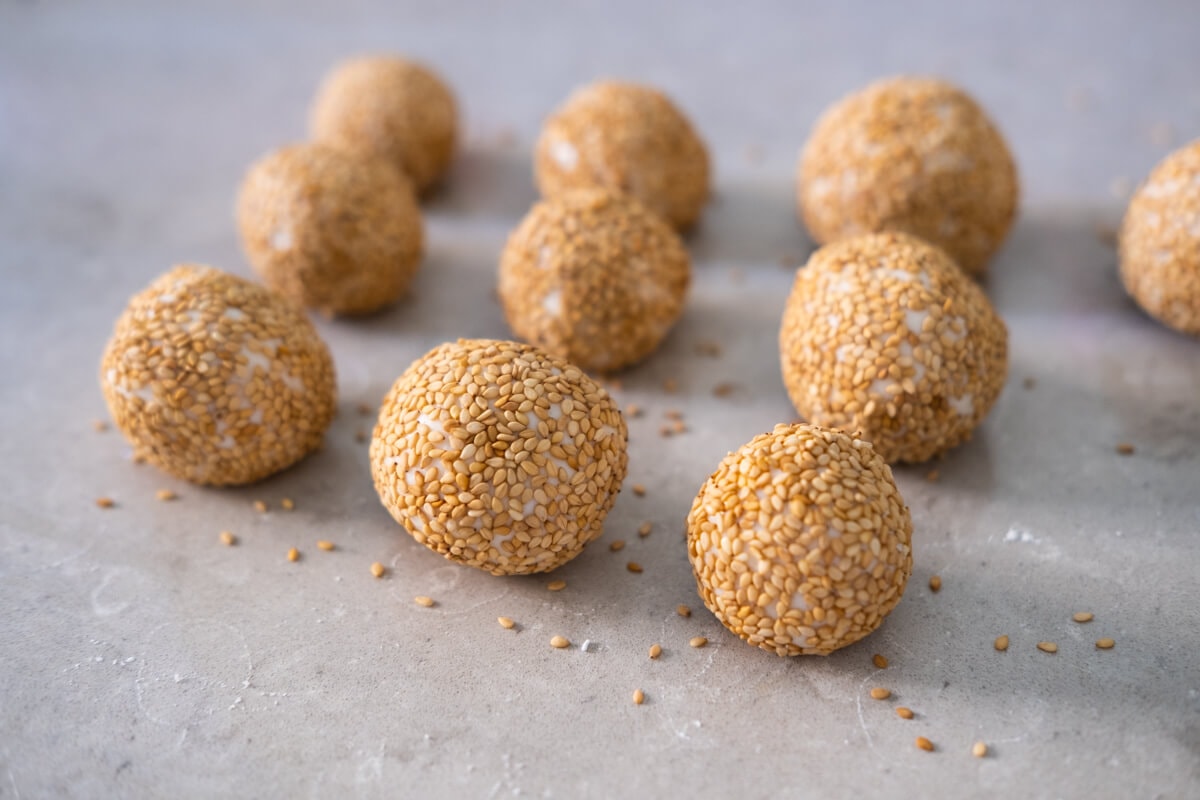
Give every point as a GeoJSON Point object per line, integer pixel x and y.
{"type": "Point", "coordinates": [800, 541]}
{"type": "Point", "coordinates": [217, 380]}
{"type": "Point", "coordinates": [1160, 242]}
{"type": "Point", "coordinates": [882, 334]}
{"type": "Point", "coordinates": [499, 455]}
{"type": "Point", "coordinates": [391, 108]}
{"type": "Point", "coordinates": [335, 231]}
{"type": "Point", "coordinates": [915, 155]}
{"type": "Point", "coordinates": [627, 138]}
{"type": "Point", "coordinates": [594, 277]}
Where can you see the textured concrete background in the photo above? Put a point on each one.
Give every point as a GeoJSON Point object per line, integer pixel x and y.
{"type": "Point", "coordinates": [140, 658]}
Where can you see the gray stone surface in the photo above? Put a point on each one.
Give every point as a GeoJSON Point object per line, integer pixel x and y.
{"type": "Point", "coordinates": [140, 658]}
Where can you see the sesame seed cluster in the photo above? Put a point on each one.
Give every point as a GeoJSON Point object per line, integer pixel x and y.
{"type": "Point", "coordinates": [594, 277]}
{"type": "Point", "coordinates": [499, 455]}
{"type": "Point", "coordinates": [800, 541]}
{"type": "Point", "coordinates": [627, 138]}
{"type": "Point", "coordinates": [910, 154]}
{"type": "Point", "coordinates": [333, 230]}
{"type": "Point", "coordinates": [390, 108]}
{"type": "Point", "coordinates": [1160, 242]}
{"type": "Point", "coordinates": [883, 335]}
{"type": "Point", "coordinates": [217, 380]}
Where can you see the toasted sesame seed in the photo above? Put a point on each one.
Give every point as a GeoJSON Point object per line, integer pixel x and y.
{"type": "Point", "coordinates": [679, 427]}
{"type": "Point", "coordinates": [325, 545]}
{"type": "Point", "coordinates": [698, 641]}
{"type": "Point", "coordinates": [644, 529]}
{"type": "Point", "coordinates": [639, 490]}
{"type": "Point", "coordinates": [286, 504]}
{"type": "Point", "coordinates": [666, 432]}
{"type": "Point", "coordinates": [935, 584]}
{"type": "Point", "coordinates": [1126, 449]}
{"type": "Point", "coordinates": [260, 506]}
{"type": "Point", "coordinates": [105, 502]}
{"type": "Point", "coordinates": [1083, 616]}
{"type": "Point", "coordinates": [880, 693]}
{"type": "Point", "coordinates": [559, 642]}
{"type": "Point", "coordinates": [924, 744]}
{"type": "Point", "coordinates": [1001, 643]}
{"type": "Point", "coordinates": [708, 348]}
{"type": "Point", "coordinates": [634, 567]}
{"type": "Point", "coordinates": [1047, 647]}
{"type": "Point", "coordinates": [228, 539]}
{"type": "Point", "coordinates": [422, 600]}
{"type": "Point", "coordinates": [879, 661]}
{"type": "Point", "coordinates": [506, 623]}
{"type": "Point", "coordinates": [165, 495]}
{"type": "Point", "coordinates": [364, 409]}
{"type": "Point", "coordinates": [1105, 643]}
{"type": "Point", "coordinates": [723, 390]}
{"type": "Point", "coordinates": [670, 386]}
{"type": "Point", "coordinates": [293, 555]}
{"type": "Point", "coordinates": [979, 750]}
{"type": "Point", "coordinates": [633, 410]}
{"type": "Point", "coordinates": [673, 414]}
{"type": "Point", "coordinates": [655, 650]}
{"type": "Point", "coordinates": [557, 585]}
{"type": "Point", "coordinates": [639, 697]}
{"type": "Point", "coordinates": [99, 425]}
{"type": "Point", "coordinates": [378, 569]}
{"type": "Point", "coordinates": [903, 712]}
{"type": "Point", "coordinates": [617, 545]}
{"type": "Point", "coordinates": [932, 476]}
{"type": "Point", "coordinates": [683, 610]}
{"type": "Point", "coordinates": [360, 436]}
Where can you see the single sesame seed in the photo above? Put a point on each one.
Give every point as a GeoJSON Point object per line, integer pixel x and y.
{"type": "Point", "coordinates": [639, 697]}
{"type": "Point", "coordinates": [879, 661]}
{"type": "Point", "coordinates": [1083, 616]}
{"type": "Point", "coordinates": [559, 642]}
{"type": "Point", "coordinates": [723, 390]}
{"type": "Point", "coordinates": [655, 650]}
{"type": "Point", "coordinates": [1047, 647]}
{"type": "Point", "coordinates": [617, 545]}
{"type": "Point", "coordinates": [286, 504]}
{"type": "Point", "coordinates": [228, 539]}
{"type": "Point", "coordinates": [979, 750]}
{"type": "Point", "coordinates": [364, 409]}
{"type": "Point", "coordinates": [670, 386]}
{"type": "Point", "coordinates": [633, 410]}
{"type": "Point", "coordinates": [99, 425]}
{"type": "Point", "coordinates": [1001, 643]}
{"type": "Point", "coordinates": [666, 432]}
{"type": "Point", "coordinates": [360, 436]}
{"type": "Point", "coordinates": [644, 529]}
{"type": "Point", "coordinates": [1029, 383]}
{"type": "Point", "coordinates": [556, 586]}
{"type": "Point", "coordinates": [639, 490]}
{"type": "Point", "coordinates": [673, 414]}
{"type": "Point", "coordinates": [165, 495]}
{"type": "Point", "coordinates": [422, 600]}
{"type": "Point", "coordinates": [683, 610]}
{"type": "Point", "coordinates": [1126, 449]}
{"type": "Point", "coordinates": [378, 569]}
{"type": "Point", "coordinates": [1105, 643]}
{"type": "Point", "coordinates": [260, 506]}
{"type": "Point", "coordinates": [506, 623]}
{"type": "Point", "coordinates": [679, 427]}
{"type": "Point", "coordinates": [698, 641]}
{"type": "Point", "coordinates": [935, 584]}
{"type": "Point", "coordinates": [634, 567]}
{"type": "Point", "coordinates": [880, 693]}
{"type": "Point", "coordinates": [105, 502]}
{"type": "Point", "coordinates": [322, 544]}
{"type": "Point", "coordinates": [903, 712]}
{"type": "Point", "coordinates": [293, 555]}
{"type": "Point", "coordinates": [924, 744]}
{"type": "Point", "coordinates": [932, 476]}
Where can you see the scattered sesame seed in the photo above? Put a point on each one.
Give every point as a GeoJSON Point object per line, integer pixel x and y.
{"type": "Point", "coordinates": [880, 693]}
{"type": "Point", "coordinates": [422, 600]}
{"type": "Point", "coordinates": [1001, 643]}
{"type": "Point", "coordinates": [634, 567]}
{"type": "Point", "coordinates": [673, 414]}
{"type": "Point", "coordinates": [293, 555]}
{"type": "Point", "coordinates": [879, 661]}
{"type": "Point", "coordinates": [633, 410]}
{"type": "Point", "coordinates": [617, 545]}
{"type": "Point", "coordinates": [639, 697]}
{"type": "Point", "coordinates": [559, 642]}
{"type": "Point", "coordinates": [666, 432]}
{"type": "Point", "coordinates": [99, 425]}
{"type": "Point", "coordinates": [644, 529]}
{"type": "Point", "coordinates": [165, 495]}
{"type": "Point", "coordinates": [378, 569]}
{"type": "Point", "coordinates": [105, 502]}
{"type": "Point", "coordinates": [683, 610]}
{"type": "Point", "coordinates": [698, 641]}
{"type": "Point", "coordinates": [1029, 383]}
{"type": "Point", "coordinates": [639, 490]}
{"type": "Point", "coordinates": [679, 427]}
{"type": "Point", "coordinates": [364, 409]}
{"type": "Point", "coordinates": [924, 744]}
{"type": "Point", "coordinates": [260, 506]}
{"type": "Point", "coordinates": [932, 476]}
{"type": "Point", "coordinates": [708, 348]}
{"type": "Point", "coordinates": [1047, 647]}
{"type": "Point", "coordinates": [1083, 616]}
{"type": "Point", "coordinates": [228, 539]}
{"type": "Point", "coordinates": [979, 750]}
{"type": "Point", "coordinates": [1105, 643]}
{"type": "Point", "coordinates": [322, 544]}
{"type": "Point", "coordinates": [506, 623]}
{"type": "Point", "coordinates": [670, 386]}
{"type": "Point", "coordinates": [1106, 234]}
{"type": "Point", "coordinates": [935, 584]}
{"type": "Point", "coordinates": [723, 390]}
{"type": "Point", "coordinates": [360, 436]}
{"type": "Point", "coordinates": [903, 712]}
{"type": "Point", "coordinates": [557, 585]}
{"type": "Point", "coordinates": [1126, 449]}
{"type": "Point", "coordinates": [655, 650]}
{"type": "Point", "coordinates": [286, 504]}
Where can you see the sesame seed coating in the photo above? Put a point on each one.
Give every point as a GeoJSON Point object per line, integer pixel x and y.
{"type": "Point", "coordinates": [330, 230]}
{"type": "Point", "coordinates": [883, 335]}
{"type": "Point", "coordinates": [391, 108]}
{"type": "Point", "coordinates": [594, 277]}
{"type": "Point", "coordinates": [910, 154]}
{"type": "Point", "coordinates": [1160, 242]}
{"type": "Point", "coordinates": [499, 455]}
{"type": "Point", "coordinates": [217, 380]}
{"type": "Point", "coordinates": [627, 138]}
{"type": "Point", "coordinates": [800, 541]}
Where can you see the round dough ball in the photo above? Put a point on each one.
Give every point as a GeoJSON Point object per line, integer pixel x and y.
{"type": "Point", "coordinates": [594, 277]}
{"type": "Point", "coordinates": [1160, 242]}
{"type": "Point", "coordinates": [884, 335]}
{"type": "Point", "coordinates": [626, 138]}
{"type": "Point", "coordinates": [217, 380]}
{"type": "Point", "coordinates": [914, 155]}
{"type": "Point", "coordinates": [330, 230]}
{"type": "Point", "coordinates": [391, 108]}
{"type": "Point", "coordinates": [800, 541]}
{"type": "Point", "coordinates": [498, 455]}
